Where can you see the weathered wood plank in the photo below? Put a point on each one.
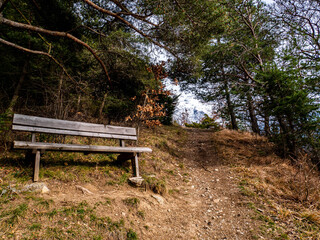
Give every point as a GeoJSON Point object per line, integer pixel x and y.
{"type": "Point", "coordinates": [78, 148]}
{"type": "Point", "coordinates": [36, 167]}
{"type": "Point", "coordinates": [20, 119]}
{"type": "Point", "coordinates": [122, 143]}
{"type": "Point", "coordinates": [136, 164]}
{"type": "Point", "coordinates": [70, 132]}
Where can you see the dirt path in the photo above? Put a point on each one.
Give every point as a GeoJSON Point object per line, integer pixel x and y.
{"type": "Point", "coordinates": [207, 203]}
{"type": "Point", "coordinates": [216, 206]}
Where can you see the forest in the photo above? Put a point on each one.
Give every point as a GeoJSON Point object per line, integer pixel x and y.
{"type": "Point", "coordinates": [97, 61]}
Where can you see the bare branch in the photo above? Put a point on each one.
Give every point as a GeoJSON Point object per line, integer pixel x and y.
{"type": "Point", "coordinates": [58, 34]}
{"type": "Point", "coordinates": [105, 11]}
{"type": "Point", "coordinates": [36, 52]}
{"type": "Point", "coordinates": [128, 12]}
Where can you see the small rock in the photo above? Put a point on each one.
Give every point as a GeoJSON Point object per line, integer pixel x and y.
{"type": "Point", "coordinates": [36, 187]}
{"type": "Point", "coordinates": [136, 181]}
{"type": "Point", "coordinates": [158, 198]}
{"type": "Point", "coordinates": [84, 190]}
{"type": "Point", "coordinates": [217, 170]}
{"type": "Point", "coordinates": [123, 214]}
{"type": "Point", "coordinates": [216, 200]}
{"type": "Point", "coordinates": [209, 211]}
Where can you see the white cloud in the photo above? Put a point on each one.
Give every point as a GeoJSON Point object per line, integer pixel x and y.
{"type": "Point", "coordinates": [188, 102]}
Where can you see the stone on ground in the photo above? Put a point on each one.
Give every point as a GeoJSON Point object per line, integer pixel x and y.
{"type": "Point", "coordinates": [36, 187]}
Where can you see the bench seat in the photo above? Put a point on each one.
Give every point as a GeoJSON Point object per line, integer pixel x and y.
{"type": "Point", "coordinates": [40, 125]}
{"type": "Point", "coordinates": [78, 147]}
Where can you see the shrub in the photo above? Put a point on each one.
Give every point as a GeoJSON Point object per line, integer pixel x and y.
{"type": "Point", "coordinates": [206, 122]}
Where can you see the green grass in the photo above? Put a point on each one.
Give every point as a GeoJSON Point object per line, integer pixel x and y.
{"type": "Point", "coordinates": [132, 202]}
{"type": "Point", "coordinates": [35, 226]}
{"type": "Point", "coordinates": [131, 235]}
{"type": "Point", "coordinates": [79, 220]}
{"type": "Point", "coordinates": [173, 191]}
{"type": "Point", "coordinates": [141, 214]}
{"type": "Point", "coordinates": [12, 216]}
{"type": "Point", "coordinates": [156, 185]}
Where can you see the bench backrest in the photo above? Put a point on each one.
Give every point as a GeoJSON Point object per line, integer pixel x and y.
{"type": "Point", "coordinates": [64, 127]}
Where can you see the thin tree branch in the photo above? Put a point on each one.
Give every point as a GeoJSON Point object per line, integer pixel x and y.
{"type": "Point", "coordinates": [58, 34]}
{"type": "Point", "coordinates": [36, 52]}
{"type": "Point", "coordinates": [105, 11]}
{"type": "Point", "coordinates": [246, 72]}
{"type": "Point", "coordinates": [128, 12]}
{"type": "Point", "coordinates": [191, 20]}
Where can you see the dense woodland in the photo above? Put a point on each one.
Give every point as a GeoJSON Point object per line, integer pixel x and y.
{"type": "Point", "coordinates": [97, 61]}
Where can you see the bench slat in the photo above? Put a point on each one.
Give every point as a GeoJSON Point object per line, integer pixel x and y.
{"type": "Point", "coordinates": [78, 148]}
{"type": "Point", "coordinates": [70, 132]}
{"type": "Point", "coordinates": [26, 120]}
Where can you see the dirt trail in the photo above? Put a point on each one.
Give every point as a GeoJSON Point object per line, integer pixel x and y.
{"type": "Point", "coordinates": [206, 206]}
{"type": "Point", "coordinates": [215, 208]}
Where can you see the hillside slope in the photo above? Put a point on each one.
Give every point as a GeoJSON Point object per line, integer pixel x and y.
{"type": "Point", "coordinates": [199, 185]}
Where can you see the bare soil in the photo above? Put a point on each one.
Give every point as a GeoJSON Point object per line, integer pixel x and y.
{"type": "Point", "coordinates": [203, 199]}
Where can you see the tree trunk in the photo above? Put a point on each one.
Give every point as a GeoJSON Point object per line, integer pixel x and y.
{"type": "Point", "coordinates": [102, 105]}
{"type": "Point", "coordinates": [267, 124]}
{"type": "Point", "coordinates": [230, 107]}
{"type": "Point", "coordinates": [59, 101]}
{"type": "Point", "coordinates": [253, 118]}
{"type": "Point", "coordinates": [9, 111]}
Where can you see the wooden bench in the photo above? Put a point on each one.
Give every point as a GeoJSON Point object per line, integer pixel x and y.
{"type": "Point", "coordinates": [62, 127]}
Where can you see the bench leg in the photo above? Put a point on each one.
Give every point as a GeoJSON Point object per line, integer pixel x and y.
{"type": "Point", "coordinates": [135, 165]}
{"type": "Point", "coordinates": [36, 167]}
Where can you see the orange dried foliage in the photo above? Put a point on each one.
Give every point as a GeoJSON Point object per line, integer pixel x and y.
{"type": "Point", "coordinates": [149, 112]}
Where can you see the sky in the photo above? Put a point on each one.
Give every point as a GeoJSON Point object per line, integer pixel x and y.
{"type": "Point", "coordinates": [187, 102]}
